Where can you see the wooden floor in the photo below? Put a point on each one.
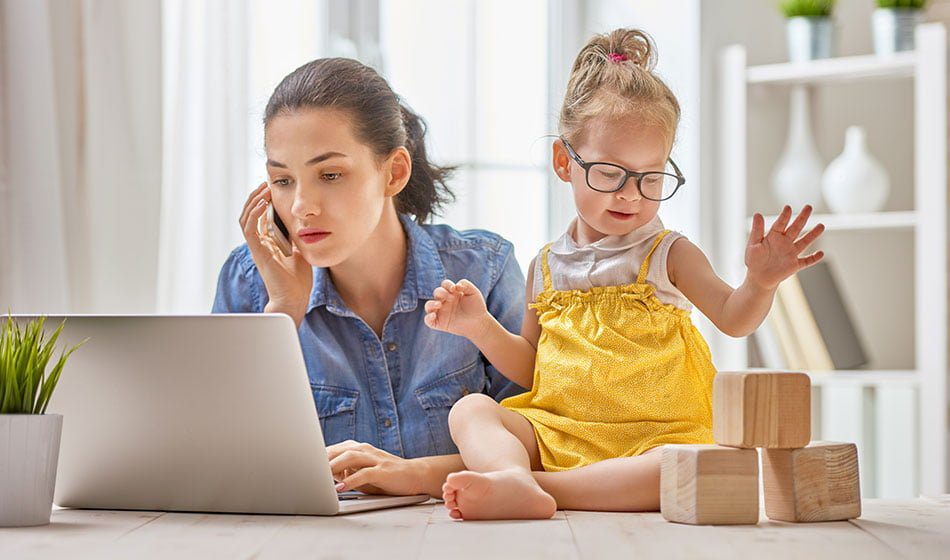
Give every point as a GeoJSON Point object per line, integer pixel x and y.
{"type": "Point", "coordinates": [887, 529]}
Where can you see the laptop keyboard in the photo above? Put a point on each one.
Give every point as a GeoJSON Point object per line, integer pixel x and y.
{"type": "Point", "coordinates": [352, 495]}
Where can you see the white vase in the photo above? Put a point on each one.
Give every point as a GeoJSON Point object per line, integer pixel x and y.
{"type": "Point", "coordinates": [796, 180]}
{"type": "Point", "coordinates": [29, 454]}
{"type": "Point", "coordinates": [855, 182]}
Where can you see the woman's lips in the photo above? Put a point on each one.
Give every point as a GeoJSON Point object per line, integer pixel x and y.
{"type": "Point", "coordinates": [620, 215]}
{"type": "Point", "coordinates": [312, 236]}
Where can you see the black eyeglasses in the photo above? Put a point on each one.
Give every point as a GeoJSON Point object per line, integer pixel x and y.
{"type": "Point", "coordinates": [609, 177]}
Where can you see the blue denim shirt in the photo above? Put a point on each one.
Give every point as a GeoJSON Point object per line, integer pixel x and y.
{"type": "Point", "coordinates": [395, 393]}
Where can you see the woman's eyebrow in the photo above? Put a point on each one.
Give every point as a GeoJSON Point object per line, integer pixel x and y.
{"type": "Point", "coordinates": [312, 161]}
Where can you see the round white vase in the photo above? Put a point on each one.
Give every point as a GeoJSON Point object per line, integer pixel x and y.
{"type": "Point", "coordinates": [796, 180]}
{"type": "Point", "coordinates": [28, 460]}
{"type": "Point", "coordinates": [855, 182]}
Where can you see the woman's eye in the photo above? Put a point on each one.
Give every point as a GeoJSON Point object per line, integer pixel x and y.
{"type": "Point", "coordinates": [331, 177]}
{"type": "Point", "coordinates": [280, 182]}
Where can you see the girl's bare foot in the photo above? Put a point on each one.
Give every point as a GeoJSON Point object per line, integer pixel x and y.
{"type": "Point", "coordinates": [510, 494]}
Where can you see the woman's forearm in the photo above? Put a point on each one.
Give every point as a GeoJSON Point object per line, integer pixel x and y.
{"type": "Point", "coordinates": [432, 472]}
{"type": "Point", "coordinates": [511, 354]}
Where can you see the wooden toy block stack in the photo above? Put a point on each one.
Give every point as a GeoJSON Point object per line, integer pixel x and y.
{"type": "Point", "coordinates": [718, 484]}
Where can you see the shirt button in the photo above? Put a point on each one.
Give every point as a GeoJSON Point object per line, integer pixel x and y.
{"type": "Point", "coordinates": [465, 392]}
{"type": "Point", "coordinates": [388, 423]}
{"type": "Point", "coordinates": [391, 347]}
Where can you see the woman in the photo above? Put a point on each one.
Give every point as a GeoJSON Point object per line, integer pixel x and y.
{"type": "Point", "coordinates": [349, 176]}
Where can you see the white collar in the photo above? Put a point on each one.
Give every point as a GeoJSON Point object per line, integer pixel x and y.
{"type": "Point", "coordinates": [566, 245]}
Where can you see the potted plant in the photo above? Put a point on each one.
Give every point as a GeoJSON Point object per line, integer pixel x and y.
{"type": "Point", "coordinates": [29, 438]}
{"type": "Point", "coordinates": [893, 24]}
{"type": "Point", "coordinates": [809, 28]}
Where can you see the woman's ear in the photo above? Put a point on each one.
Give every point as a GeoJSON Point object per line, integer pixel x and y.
{"type": "Point", "coordinates": [561, 161]}
{"type": "Point", "coordinates": [399, 169]}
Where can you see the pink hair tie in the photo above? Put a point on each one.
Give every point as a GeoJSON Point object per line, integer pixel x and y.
{"type": "Point", "coordinates": [617, 57]}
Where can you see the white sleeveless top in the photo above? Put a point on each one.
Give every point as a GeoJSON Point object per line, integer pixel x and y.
{"type": "Point", "coordinates": [612, 261]}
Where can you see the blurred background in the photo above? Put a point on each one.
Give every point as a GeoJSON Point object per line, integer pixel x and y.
{"type": "Point", "coordinates": [130, 136]}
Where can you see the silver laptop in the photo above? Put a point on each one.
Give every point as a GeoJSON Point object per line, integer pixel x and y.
{"type": "Point", "coordinates": [208, 413]}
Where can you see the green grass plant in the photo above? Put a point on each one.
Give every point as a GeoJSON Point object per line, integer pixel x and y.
{"type": "Point", "coordinates": [25, 352]}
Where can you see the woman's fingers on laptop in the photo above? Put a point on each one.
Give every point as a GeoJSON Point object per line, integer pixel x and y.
{"type": "Point", "coordinates": [363, 480]}
{"type": "Point", "coordinates": [376, 471]}
{"type": "Point", "coordinates": [337, 448]}
{"type": "Point", "coordinates": [351, 460]}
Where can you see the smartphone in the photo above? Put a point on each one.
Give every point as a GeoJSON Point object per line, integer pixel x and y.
{"type": "Point", "coordinates": [278, 231]}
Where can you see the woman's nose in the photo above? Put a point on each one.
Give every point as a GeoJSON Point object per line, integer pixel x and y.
{"type": "Point", "coordinates": [305, 205]}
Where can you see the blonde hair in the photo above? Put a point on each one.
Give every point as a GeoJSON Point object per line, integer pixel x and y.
{"type": "Point", "coordinates": [613, 77]}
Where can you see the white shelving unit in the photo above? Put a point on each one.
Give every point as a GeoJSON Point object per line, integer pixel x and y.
{"type": "Point", "coordinates": [923, 389]}
{"type": "Point", "coordinates": [857, 222]}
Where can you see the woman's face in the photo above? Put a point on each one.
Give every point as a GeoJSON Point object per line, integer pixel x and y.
{"type": "Point", "coordinates": [329, 188]}
{"type": "Point", "coordinates": [629, 143]}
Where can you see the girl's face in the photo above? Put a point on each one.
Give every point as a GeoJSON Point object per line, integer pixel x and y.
{"type": "Point", "coordinates": [630, 143]}
{"type": "Point", "coordinates": [329, 188]}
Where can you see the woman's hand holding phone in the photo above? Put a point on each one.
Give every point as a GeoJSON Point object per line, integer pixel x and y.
{"type": "Point", "coordinates": [288, 279]}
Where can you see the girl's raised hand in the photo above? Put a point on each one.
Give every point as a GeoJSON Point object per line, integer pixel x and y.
{"type": "Point", "coordinates": [457, 308]}
{"type": "Point", "coordinates": [773, 257]}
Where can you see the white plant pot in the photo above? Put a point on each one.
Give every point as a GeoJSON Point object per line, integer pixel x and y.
{"type": "Point", "coordinates": [809, 38]}
{"type": "Point", "coordinates": [796, 180]}
{"type": "Point", "coordinates": [855, 182]}
{"type": "Point", "coordinates": [893, 29]}
{"type": "Point", "coordinates": [29, 453]}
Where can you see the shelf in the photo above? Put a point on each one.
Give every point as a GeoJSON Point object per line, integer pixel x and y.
{"type": "Point", "coordinates": [922, 390]}
{"type": "Point", "coordinates": [860, 377]}
{"type": "Point", "coordinates": [855, 222]}
{"type": "Point", "coordinates": [830, 70]}
{"type": "Point", "coordinates": [865, 377]}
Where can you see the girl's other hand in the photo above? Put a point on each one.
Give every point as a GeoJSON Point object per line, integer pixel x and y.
{"type": "Point", "coordinates": [774, 257]}
{"type": "Point", "coordinates": [458, 309]}
{"type": "Point", "coordinates": [288, 280]}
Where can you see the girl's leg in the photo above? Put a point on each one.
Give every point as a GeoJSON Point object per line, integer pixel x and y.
{"type": "Point", "coordinates": [622, 484]}
{"type": "Point", "coordinates": [499, 448]}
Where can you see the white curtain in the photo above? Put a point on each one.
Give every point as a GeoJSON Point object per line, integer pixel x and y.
{"type": "Point", "coordinates": [204, 179]}
{"type": "Point", "coordinates": [222, 59]}
{"type": "Point", "coordinates": [79, 128]}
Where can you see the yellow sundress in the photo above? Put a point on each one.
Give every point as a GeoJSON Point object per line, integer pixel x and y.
{"type": "Point", "coordinates": [618, 372]}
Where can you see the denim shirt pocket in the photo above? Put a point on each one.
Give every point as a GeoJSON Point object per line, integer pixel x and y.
{"type": "Point", "coordinates": [437, 398]}
{"type": "Point", "coordinates": [336, 407]}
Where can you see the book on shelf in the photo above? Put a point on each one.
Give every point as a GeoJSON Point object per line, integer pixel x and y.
{"type": "Point", "coordinates": [835, 325]}
{"type": "Point", "coordinates": [809, 327]}
{"type": "Point", "coordinates": [785, 335]}
{"type": "Point", "coordinates": [801, 321]}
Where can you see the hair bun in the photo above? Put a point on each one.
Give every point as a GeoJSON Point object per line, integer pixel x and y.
{"type": "Point", "coordinates": [632, 44]}
{"type": "Point", "coordinates": [613, 76]}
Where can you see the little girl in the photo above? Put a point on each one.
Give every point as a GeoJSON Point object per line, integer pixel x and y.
{"type": "Point", "coordinates": [614, 365]}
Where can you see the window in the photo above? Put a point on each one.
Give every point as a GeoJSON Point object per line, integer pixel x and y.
{"type": "Point", "coordinates": [478, 74]}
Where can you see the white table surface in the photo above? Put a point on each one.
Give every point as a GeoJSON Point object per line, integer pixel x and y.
{"type": "Point", "coordinates": [917, 528]}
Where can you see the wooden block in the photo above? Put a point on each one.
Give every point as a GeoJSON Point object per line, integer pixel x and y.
{"type": "Point", "coordinates": [709, 485]}
{"type": "Point", "coordinates": [762, 409]}
{"type": "Point", "coordinates": [817, 483]}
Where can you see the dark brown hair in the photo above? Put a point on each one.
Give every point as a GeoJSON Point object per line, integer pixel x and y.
{"type": "Point", "coordinates": [380, 120]}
